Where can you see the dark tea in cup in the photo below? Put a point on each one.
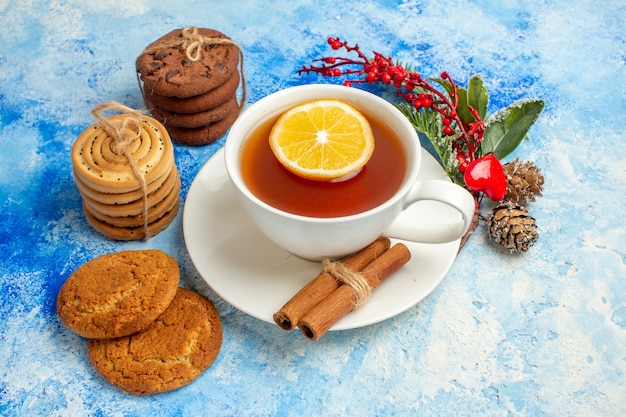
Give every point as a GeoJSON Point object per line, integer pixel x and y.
{"type": "Point", "coordinates": [362, 208]}
{"type": "Point", "coordinates": [272, 183]}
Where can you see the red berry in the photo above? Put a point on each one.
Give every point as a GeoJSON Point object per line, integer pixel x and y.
{"type": "Point", "coordinates": [330, 60]}
{"type": "Point", "coordinates": [336, 71]}
{"type": "Point", "coordinates": [446, 121]}
{"type": "Point", "coordinates": [415, 77]}
{"type": "Point", "coordinates": [448, 131]}
{"type": "Point", "coordinates": [330, 40]}
{"type": "Point", "coordinates": [409, 86]}
{"type": "Point", "coordinates": [336, 45]}
{"type": "Point", "coordinates": [462, 163]}
{"type": "Point", "coordinates": [386, 78]}
{"type": "Point", "coordinates": [486, 175]}
{"type": "Point", "coordinates": [371, 76]}
{"type": "Point", "coordinates": [452, 114]}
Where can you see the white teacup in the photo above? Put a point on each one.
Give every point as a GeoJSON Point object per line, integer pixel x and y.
{"type": "Point", "coordinates": [319, 238]}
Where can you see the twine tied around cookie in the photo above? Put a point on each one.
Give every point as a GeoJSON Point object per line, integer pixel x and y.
{"type": "Point", "coordinates": [353, 279]}
{"type": "Point", "coordinates": [119, 130]}
{"type": "Point", "coordinates": [192, 42]}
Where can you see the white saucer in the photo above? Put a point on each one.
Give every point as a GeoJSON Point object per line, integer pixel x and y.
{"type": "Point", "coordinates": [256, 276]}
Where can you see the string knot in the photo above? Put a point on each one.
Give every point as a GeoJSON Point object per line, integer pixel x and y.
{"type": "Point", "coordinates": [353, 279]}
{"type": "Point", "coordinates": [193, 42]}
{"type": "Point", "coordinates": [124, 131]}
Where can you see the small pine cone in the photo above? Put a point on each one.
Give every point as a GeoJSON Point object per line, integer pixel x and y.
{"type": "Point", "coordinates": [525, 181]}
{"type": "Point", "coordinates": [511, 226]}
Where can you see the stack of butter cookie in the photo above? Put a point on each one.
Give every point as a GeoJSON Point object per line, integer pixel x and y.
{"type": "Point", "coordinates": [128, 179]}
{"type": "Point", "coordinates": [189, 81]}
{"type": "Point", "coordinates": [146, 334]}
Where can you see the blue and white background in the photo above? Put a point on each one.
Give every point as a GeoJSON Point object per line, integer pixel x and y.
{"type": "Point", "coordinates": [538, 334]}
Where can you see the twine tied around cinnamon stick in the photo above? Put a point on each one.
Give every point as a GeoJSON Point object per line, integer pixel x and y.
{"type": "Point", "coordinates": [341, 301]}
{"type": "Point", "coordinates": [341, 287]}
{"type": "Point", "coordinates": [192, 42]}
{"type": "Point", "coordinates": [324, 284]}
{"type": "Point", "coordinates": [354, 279]}
{"type": "Point", "coordinates": [124, 132]}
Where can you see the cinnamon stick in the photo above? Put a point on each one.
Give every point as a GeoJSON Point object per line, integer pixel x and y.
{"type": "Point", "coordinates": [328, 312]}
{"type": "Point", "coordinates": [324, 284]}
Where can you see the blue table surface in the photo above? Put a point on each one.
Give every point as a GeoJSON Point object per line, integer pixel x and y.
{"type": "Point", "coordinates": [537, 334]}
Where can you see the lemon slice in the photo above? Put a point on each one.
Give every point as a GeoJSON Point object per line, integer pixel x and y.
{"type": "Point", "coordinates": [322, 140]}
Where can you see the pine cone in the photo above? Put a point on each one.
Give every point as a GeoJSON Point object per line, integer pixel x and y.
{"type": "Point", "coordinates": [525, 181]}
{"type": "Point", "coordinates": [511, 226]}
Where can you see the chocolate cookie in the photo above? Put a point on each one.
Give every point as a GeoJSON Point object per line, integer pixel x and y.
{"type": "Point", "coordinates": [118, 294]}
{"type": "Point", "coordinates": [194, 120]}
{"type": "Point", "coordinates": [202, 102]}
{"type": "Point", "coordinates": [203, 135]}
{"type": "Point", "coordinates": [166, 70]}
{"type": "Point", "coordinates": [170, 353]}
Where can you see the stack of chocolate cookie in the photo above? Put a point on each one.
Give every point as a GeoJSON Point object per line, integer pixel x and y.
{"type": "Point", "coordinates": [146, 334]}
{"type": "Point", "coordinates": [190, 79]}
{"type": "Point", "coordinates": [116, 202]}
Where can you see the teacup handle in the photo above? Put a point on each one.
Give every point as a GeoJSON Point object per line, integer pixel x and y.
{"type": "Point", "coordinates": [442, 191]}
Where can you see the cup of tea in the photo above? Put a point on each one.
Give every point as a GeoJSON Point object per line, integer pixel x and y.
{"type": "Point", "coordinates": [317, 220]}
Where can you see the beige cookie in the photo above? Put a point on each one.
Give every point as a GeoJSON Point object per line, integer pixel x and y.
{"type": "Point", "coordinates": [172, 352]}
{"type": "Point", "coordinates": [103, 170]}
{"type": "Point", "coordinates": [131, 233]}
{"type": "Point", "coordinates": [167, 193]}
{"type": "Point", "coordinates": [166, 180]}
{"type": "Point", "coordinates": [118, 294]}
{"type": "Point", "coordinates": [155, 211]}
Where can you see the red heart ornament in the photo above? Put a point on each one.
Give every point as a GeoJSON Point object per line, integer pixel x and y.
{"type": "Point", "coordinates": [486, 175]}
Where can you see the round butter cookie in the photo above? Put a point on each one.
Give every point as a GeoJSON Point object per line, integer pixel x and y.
{"type": "Point", "coordinates": [126, 233]}
{"type": "Point", "coordinates": [155, 213]}
{"type": "Point", "coordinates": [166, 181]}
{"type": "Point", "coordinates": [195, 104]}
{"type": "Point", "coordinates": [170, 353]}
{"type": "Point", "coordinates": [106, 171]}
{"type": "Point", "coordinates": [118, 294]}
{"type": "Point", "coordinates": [167, 193]}
{"type": "Point", "coordinates": [166, 70]}
{"type": "Point", "coordinates": [113, 171]}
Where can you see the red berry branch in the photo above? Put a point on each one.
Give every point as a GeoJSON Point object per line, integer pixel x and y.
{"type": "Point", "coordinates": [451, 117]}
{"type": "Point", "coordinates": [421, 95]}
